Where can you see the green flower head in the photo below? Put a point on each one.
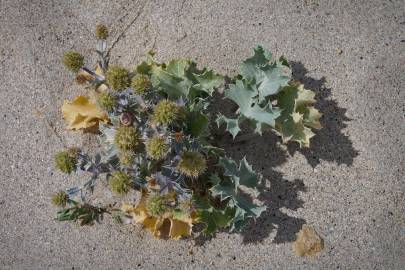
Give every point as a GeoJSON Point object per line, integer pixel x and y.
{"type": "Point", "coordinates": [120, 182]}
{"type": "Point", "coordinates": [157, 148]}
{"type": "Point", "coordinates": [141, 83]}
{"type": "Point", "coordinates": [118, 78]}
{"type": "Point", "coordinates": [192, 164]}
{"type": "Point", "coordinates": [165, 112]}
{"type": "Point", "coordinates": [127, 138]}
{"type": "Point", "coordinates": [66, 161]}
{"type": "Point", "coordinates": [60, 199]}
{"type": "Point", "coordinates": [126, 158]}
{"type": "Point", "coordinates": [156, 205]}
{"type": "Point", "coordinates": [101, 31]}
{"type": "Point", "coordinates": [106, 101]}
{"type": "Point", "coordinates": [73, 61]}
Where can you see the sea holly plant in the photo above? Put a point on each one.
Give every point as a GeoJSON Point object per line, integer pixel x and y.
{"type": "Point", "coordinates": [157, 157]}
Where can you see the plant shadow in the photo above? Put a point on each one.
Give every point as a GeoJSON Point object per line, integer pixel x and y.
{"type": "Point", "coordinates": [329, 143]}
{"type": "Point", "coordinates": [277, 193]}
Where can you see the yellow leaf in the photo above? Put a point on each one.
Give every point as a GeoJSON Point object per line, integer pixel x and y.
{"type": "Point", "coordinates": [179, 228]}
{"type": "Point", "coordinates": [82, 114]}
{"type": "Point", "coordinates": [308, 242]}
{"type": "Point", "coordinates": [164, 226]}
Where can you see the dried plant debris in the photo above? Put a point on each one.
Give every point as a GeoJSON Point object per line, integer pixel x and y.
{"type": "Point", "coordinates": [308, 242]}
{"type": "Point", "coordinates": [155, 122]}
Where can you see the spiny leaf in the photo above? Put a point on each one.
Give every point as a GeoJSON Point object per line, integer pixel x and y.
{"type": "Point", "coordinates": [232, 125]}
{"type": "Point", "coordinates": [213, 218]}
{"type": "Point", "coordinates": [198, 124]}
{"type": "Point", "coordinates": [297, 116]}
{"type": "Point", "coordinates": [178, 67]}
{"type": "Point", "coordinates": [169, 83]}
{"type": "Point", "coordinates": [244, 175]}
{"type": "Point", "coordinates": [245, 96]}
{"type": "Point", "coordinates": [208, 80]}
{"type": "Point", "coordinates": [251, 66]}
{"type": "Point", "coordinates": [268, 76]}
{"type": "Point", "coordinates": [181, 78]}
{"type": "Point", "coordinates": [228, 189]}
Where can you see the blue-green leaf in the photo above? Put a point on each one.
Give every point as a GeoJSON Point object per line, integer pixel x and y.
{"type": "Point", "coordinates": [232, 125]}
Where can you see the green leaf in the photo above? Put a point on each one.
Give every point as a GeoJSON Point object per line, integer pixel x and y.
{"type": "Point", "coordinates": [144, 68]}
{"type": "Point", "coordinates": [208, 81]}
{"type": "Point", "coordinates": [251, 66]}
{"type": "Point", "coordinates": [228, 189]}
{"type": "Point", "coordinates": [181, 78]}
{"type": "Point", "coordinates": [271, 79]}
{"type": "Point", "coordinates": [298, 115]}
{"type": "Point", "coordinates": [230, 167]}
{"type": "Point", "coordinates": [247, 177]}
{"type": "Point", "coordinates": [175, 87]}
{"type": "Point", "coordinates": [178, 67]}
{"type": "Point", "coordinates": [245, 95]}
{"type": "Point", "coordinates": [213, 218]}
{"type": "Point", "coordinates": [232, 125]}
{"type": "Point", "coordinates": [198, 124]}
{"type": "Point", "coordinates": [268, 76]}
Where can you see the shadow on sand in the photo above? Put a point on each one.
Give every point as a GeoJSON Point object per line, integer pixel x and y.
{"type": "Point", "coordinates": [329, 144]}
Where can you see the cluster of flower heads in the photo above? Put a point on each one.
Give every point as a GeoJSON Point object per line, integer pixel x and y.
{"type": "Point", "coordinates": [154, 126]}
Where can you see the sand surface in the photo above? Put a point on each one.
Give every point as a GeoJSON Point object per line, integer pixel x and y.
{"type": "Point", "coordinates": [349, 185]}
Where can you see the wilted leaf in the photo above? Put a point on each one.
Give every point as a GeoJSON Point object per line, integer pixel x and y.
{"type": "Point", "coordinates": [298, 115]}
{"type": "Point", "coordinates": [308, 242]}
{"type": "Point", "coordinates": [82, 114]}
{"type": "Point", "coordinates": [167, 225]}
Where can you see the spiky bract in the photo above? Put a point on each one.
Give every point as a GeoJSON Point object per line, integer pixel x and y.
{"type": "Point", "coordinates": [106, 101]}
{"type": "Point", "coordinates": [127, 138]}
{"type": "Point", "coordinates": [101, 31]}
{"type": "Point", "coordinates": [157, 148]}
{"type": "Point", "coordinates": [156, 205]}
{"type": "Point", "coordinates": [60, 199]}
{"type": "Point", "coordinates": [73, 61]}
{"type": "Point", "coordinates": [118, 78]}
{"type": "Point", "coordinates": [165, 112]}
{"type": "Point", "coordinates": [66, 161]}
{"type": "Point", "coordinates": [192, 164]}
{"type": "Point", "coordinates": [120, 182]}
{"type": "Point", "coordinates": [141, 83]}
{"type": "Point", "coordinates": [126, 158]}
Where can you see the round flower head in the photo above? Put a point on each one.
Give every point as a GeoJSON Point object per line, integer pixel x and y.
{"type": "Point", "coordinates": [165, 112]}
{"type": "Point", "coordinates": [66, 161]}
{"type": "Point", "coordinates": [60, 199]}
{"type": "Point", "coordinates": [192, 164]}
{"type": "Point", "coordinates": [106, 101]}
{"type": "Point", "coordinates": [118, 78]}
{"type": "Point", "coordinates": [126, 158]}
{"type": "Point", "coordinates": [120, 182]}
{"type": "Point", "coordinates": [73, 61]}
{"type": "Point", "coordinates": [157, 148]}
{"type": "Point", "coordinates": [156, 205]}
{"type": "Point", "coordinates": [101, 31]}
{"type": "Point", "coordinates": [141, 83]}
{"type": "Point", "coordinates": [127, 138]}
